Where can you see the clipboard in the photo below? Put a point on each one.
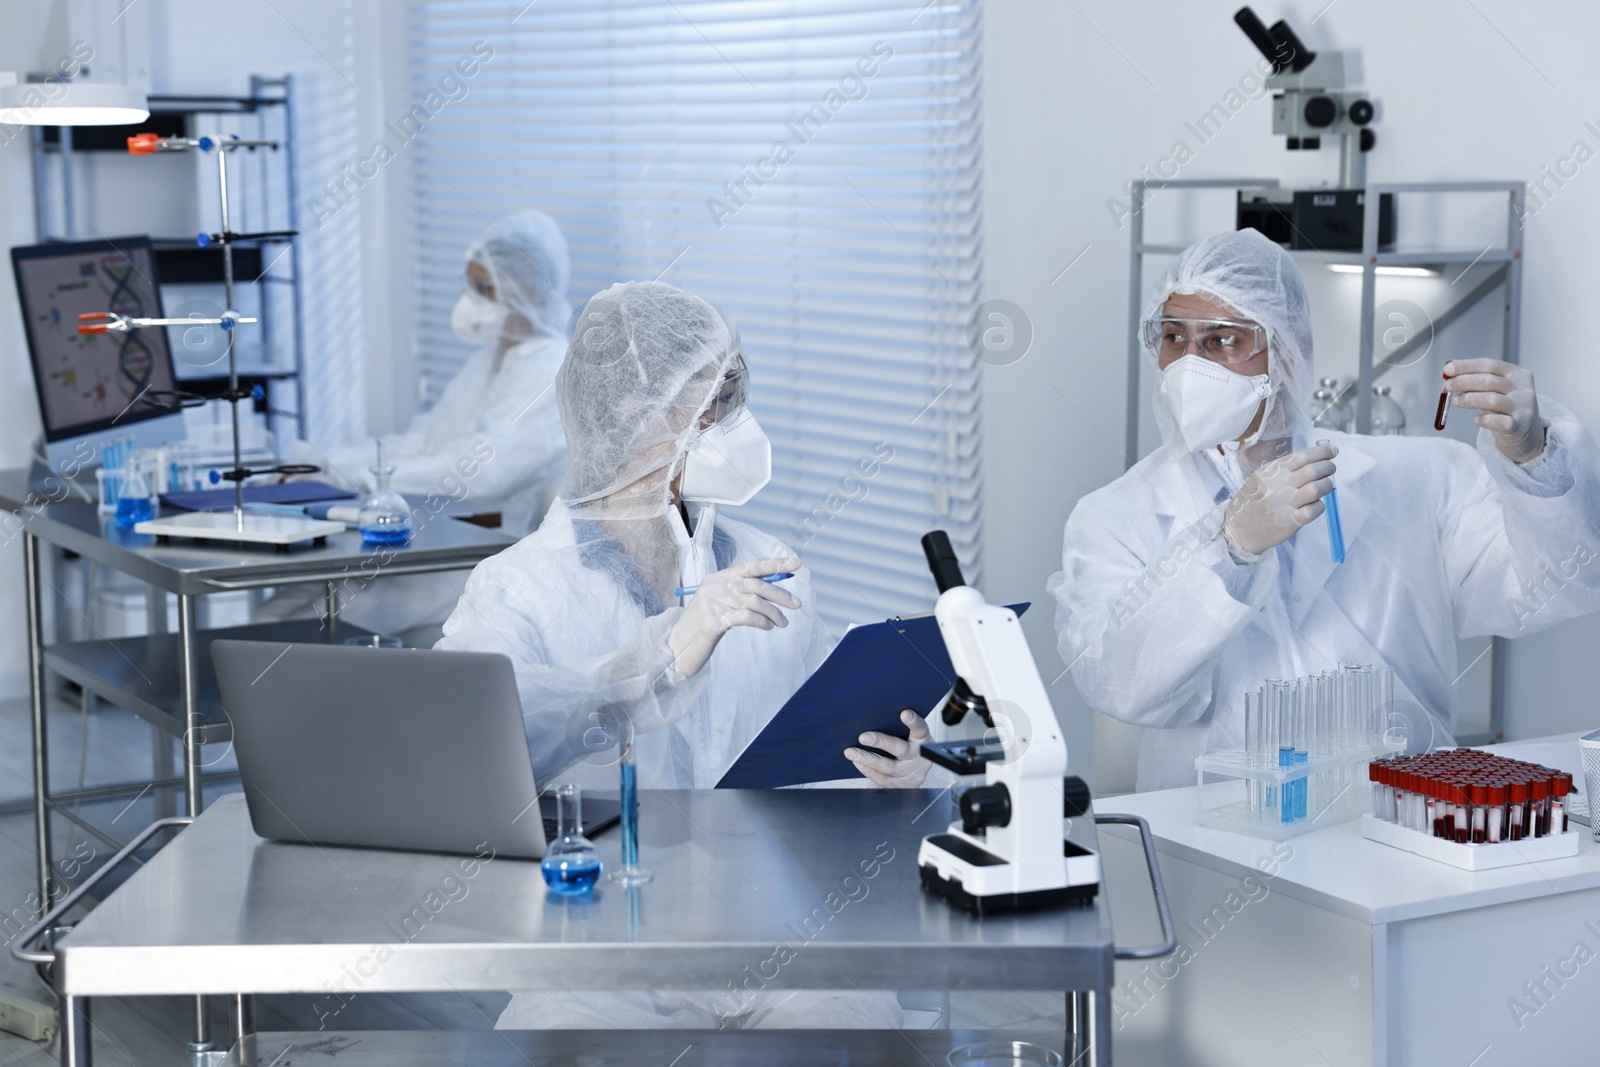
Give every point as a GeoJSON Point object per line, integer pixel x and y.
{"type": "Point", "coordinates": [872, 674]}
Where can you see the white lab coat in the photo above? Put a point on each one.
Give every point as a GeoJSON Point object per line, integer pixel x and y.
{"type": "Point", "coordinates": [1164, 629]}
{"type": "Point", "coordinates": [493, 442]}
{"type": "Point", "coordinates": [562, 604]}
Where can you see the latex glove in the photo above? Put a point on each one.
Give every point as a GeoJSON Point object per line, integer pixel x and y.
{"type": "Point", "coordinates": [1279, 498]}
{"type": "Point", "coordinates": [1503, 392]}
{"type": "Point", "coordinates": [909, 766]}
{"type": "Point", "coordinates": [725, 599]}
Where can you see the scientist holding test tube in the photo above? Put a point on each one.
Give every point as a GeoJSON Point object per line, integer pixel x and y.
{"type": "Point", "coordinates": [1188, 581]}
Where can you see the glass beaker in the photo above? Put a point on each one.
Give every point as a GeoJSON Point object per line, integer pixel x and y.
{"type": "Point", "coordinates": [571, 863]}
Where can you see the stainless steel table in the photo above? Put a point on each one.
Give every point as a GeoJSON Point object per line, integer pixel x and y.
{"type": "Point", "coordinates": [830, 874]}
{"type": "Point", "coordinates": [167, 679]}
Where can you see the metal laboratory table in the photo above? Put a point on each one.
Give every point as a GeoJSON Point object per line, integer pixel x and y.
{"type": "Point", "coordinates": [737, 873]}
{"type": "Point", "coordinates": [167, 679]}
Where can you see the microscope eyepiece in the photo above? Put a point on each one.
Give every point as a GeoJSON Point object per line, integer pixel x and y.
{"type": "Point", "coordinates": [1278, 45]}
{"type": "Point", "coordinates": [1291, 49]}
{"type": "Point", "coordinates": [942, 560]}
{"type": "Point", "coordinates": [1256, 30]}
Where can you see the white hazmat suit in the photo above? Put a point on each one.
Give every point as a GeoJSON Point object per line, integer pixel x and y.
{"type": "Point", "coordinates": [492, 441]}
{"type": "Point", "coordinates": [584, 607]}
{"type": "Point", "coordinates": [1165, 628]}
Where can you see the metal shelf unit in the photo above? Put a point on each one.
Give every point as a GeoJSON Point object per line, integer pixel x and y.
{"type": "Point", "coordinates": [271, 106]}
{"type": "Point", "coordinates": [1505, 279]}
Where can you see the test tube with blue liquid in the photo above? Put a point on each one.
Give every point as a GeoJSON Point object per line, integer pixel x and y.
{"type": "Point", "coordinates": [630, 872]}
{"type": "Point", "coordinates": [1335, 528]}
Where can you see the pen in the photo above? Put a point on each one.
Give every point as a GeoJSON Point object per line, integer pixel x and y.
{"type": "Point", "coordinates": [688, 590]}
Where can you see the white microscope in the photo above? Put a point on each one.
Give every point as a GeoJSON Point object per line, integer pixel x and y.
{"type": "Point", "coordinates": [1010, 849]}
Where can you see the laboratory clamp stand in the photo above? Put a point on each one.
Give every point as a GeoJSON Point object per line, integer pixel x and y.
{"type": "Point", "coordinates": [237, 524]}
{"type": "Point", "coordinates": [1010, 849]}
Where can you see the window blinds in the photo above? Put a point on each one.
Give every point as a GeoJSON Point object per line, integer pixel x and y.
{"type": "Point", "coordinates": [812, 167]}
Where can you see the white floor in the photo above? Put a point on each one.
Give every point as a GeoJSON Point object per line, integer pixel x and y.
{"type": "Point", "coordinates": [108, 745]}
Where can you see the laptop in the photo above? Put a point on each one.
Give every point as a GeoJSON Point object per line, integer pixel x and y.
{"type": "Point", "coordinates": [387, 748]}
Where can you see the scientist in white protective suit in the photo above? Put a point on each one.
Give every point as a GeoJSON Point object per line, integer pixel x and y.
{"type": "Point", "coordinates": [1189, 580]}
{"type": "Point", "coordinates": [652, 396]}
{"type": "Point", "coordinates": [492, 442]}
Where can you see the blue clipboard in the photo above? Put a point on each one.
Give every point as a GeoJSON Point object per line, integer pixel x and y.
{"type": "Point", "coordinates": [283, 493]}
{"type": "Point", "coordinates": [872, 674]}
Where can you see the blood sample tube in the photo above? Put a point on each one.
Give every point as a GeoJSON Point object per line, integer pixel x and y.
{"type": "Point", "coordinates": [1539, 803]}
{"type": "Point", "coordinates": [1448, 810]}
{"type": "Point", "coordinates": [1497, 812]}
{"type": "Point", "coordinates": [1519, 805]}
{"type": "Point", "coordinates": [1436, 806]}
{"type": "Point", "coordinates": [1463, 814]}
{"type": "Point", "coordinates": [1558, 802]}
{"type": "Point", "coordinates": [1443, 413]}
{"type": "Point", "coordinates": [1480, 814]}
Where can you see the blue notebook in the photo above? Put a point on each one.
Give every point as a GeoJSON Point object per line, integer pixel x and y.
{"type": "Point", "coordinates": [872, 674]}
{"type": "Point", "coordinates": [284, 493]}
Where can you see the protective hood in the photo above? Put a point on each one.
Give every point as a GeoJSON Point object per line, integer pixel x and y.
{"type": "Point", "coordinates": [1255, 279]}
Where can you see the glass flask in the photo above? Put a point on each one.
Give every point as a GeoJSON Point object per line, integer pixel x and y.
{"type": "Point", "coordinates": [133, 499]}
{"type": "Point", "coordinates": [1387, 418]}
{"type": "Point", "coordinates": [1328, 409]}
{"type": "Point", "coordinates": [384, 518]}
{"type": "Point", "coordinates": [571, 863]}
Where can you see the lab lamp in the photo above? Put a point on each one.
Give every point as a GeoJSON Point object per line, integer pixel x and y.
{"type": "Point", "coordinates": [62, 103]}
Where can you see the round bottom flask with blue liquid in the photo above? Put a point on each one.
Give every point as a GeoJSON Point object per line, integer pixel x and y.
{"type": "Point", "coordinates": [385, 517]}
{"type": "Point", "coordinates": [571, 863]}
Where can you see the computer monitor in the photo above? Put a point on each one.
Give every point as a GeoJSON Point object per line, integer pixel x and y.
{"type": "Point", "coordinates": [96, 387]}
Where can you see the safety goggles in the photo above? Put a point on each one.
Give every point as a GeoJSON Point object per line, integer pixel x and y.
{"type": "Point", "coordinates": [731, 395]}
{"type": "Point", "coordinates": [1219, 340]}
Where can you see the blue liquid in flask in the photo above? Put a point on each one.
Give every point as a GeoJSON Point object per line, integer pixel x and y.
{"type": "Point", "coordinates": [570, 875]}
{"type": "Point", "coordinates": [134, 509]}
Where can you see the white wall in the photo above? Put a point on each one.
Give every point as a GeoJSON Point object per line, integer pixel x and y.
{"type": "Point", "coordinates": [1081, 96]}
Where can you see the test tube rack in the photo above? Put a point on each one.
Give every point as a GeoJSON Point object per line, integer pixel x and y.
{"type": "Point", "coordinates": [1470, 809]}
{"type": "Point", "coordinates": [1238, 792]}
{"type": "Point", "coordinates": [1470, 857]}
{"type": "Point", "coordinates": [1303, 764]}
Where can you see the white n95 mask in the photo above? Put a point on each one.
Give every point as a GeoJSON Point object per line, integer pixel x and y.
{"type": "Point", "coordinates": [476, 319]}
{"type": "Point", "coordinates": [1209, 403]}
{"type": "Point", "coordinates": [727, 463]}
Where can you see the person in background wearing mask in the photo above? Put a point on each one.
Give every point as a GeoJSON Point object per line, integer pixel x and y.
{"type": "Point", "coordinates": [492, 441]}
{"type": "Point", "coordinates": [1188, 582]}
{"type": "Point", "coordinates": [652, 398]}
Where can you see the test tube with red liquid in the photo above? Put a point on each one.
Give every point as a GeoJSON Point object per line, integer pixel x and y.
{"type": "Point", "coordinates": [1443, 413]}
